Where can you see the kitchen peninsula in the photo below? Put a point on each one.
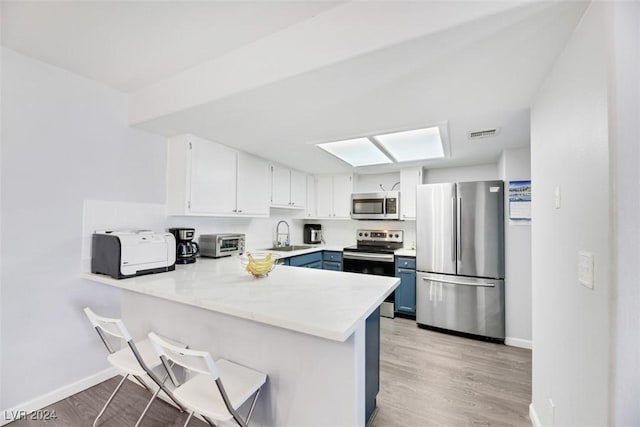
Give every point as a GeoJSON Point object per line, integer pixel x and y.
{"type": "Point", "coordinates": [315, 333]}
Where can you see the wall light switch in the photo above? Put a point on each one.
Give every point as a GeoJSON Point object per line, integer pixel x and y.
{"type": "Point", "coordinates": [558, 197]}
{"type": "Point", "coordinates": [585, 269]}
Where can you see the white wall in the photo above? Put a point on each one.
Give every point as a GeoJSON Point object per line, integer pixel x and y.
{"type": "Point", "coordinates": [64, 139]}
{"type": "Point", "coordinates": [515, 165]}
{"type": "Point", "coordinates": [570, 149]}
{"type": "Point", "coordinates": [625, 130]}
{"type": "Point", "coordinates": [1, 137]}
{"type": "Point", "coordinates": [371, 183]}
{"type": "Point", "coordinates": [461, 174]}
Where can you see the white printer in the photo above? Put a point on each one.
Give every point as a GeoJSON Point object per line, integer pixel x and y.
{"type": "Point", "coordinates": [130, 253]}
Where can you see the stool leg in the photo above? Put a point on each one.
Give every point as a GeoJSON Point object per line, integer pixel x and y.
{"type": "Point", "coordinates": [253, 405]}
{"type": "Point", "coordinates": [147, 407]}
{"type": "Point", "coordinates": [188, 419]}
{"type": "Point", "coordinates": [104, 408]}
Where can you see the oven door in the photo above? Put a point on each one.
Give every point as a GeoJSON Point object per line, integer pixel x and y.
{"type": "Point", "coordinates": [368, 263]}
{"type": "Point", "coordinates": [372, 263]}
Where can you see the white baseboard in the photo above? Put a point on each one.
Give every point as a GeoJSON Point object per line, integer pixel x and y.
{"type": "Point", "coordinates": [518, 342]}
{"type": "Point", "coordinates": [54, 396]}
{"type": "Point", "coordinates": [535, 421]}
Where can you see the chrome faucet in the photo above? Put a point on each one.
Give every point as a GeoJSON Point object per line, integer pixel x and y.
{"type": "Point", "coordinates": [278, 234]}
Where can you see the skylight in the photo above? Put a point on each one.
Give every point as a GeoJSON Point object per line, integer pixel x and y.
{"type": "Point", "coordinates": [356, 152]}
{"type": "Point", "coordinates": [419, 144]}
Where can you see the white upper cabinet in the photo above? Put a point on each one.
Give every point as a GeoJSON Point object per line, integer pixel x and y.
{"type": "Point", "coordinates": [310, 207]}
{"type": "Point", "coordinates": [213, 167]}
{"type": "Point", "coordinates": [253, 186]}
{"type": "Point", "coordinates": [280, 186]}
{"type": "Point", "coordinates": [324, 196]}
{"type": "Point", "coordinates": [205, 178]}
{"type": "Point", "coordinates": [342, 189]}
{"type": "Point", "coordinates": [288, 188]}
{"type": "Point", "coordinates": [409, 180]}
{"type": "Point", "coordinates": [334, 196]}
{"type": "Point", "coordinates": [298, 189]}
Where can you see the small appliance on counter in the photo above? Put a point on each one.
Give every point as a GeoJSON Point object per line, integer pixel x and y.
{"type": "Point", "coordinates": [312, 234]}
{"type": "Point", "coordinates": [130, 253]}
{"type": "Point", "coordinates": [186, 248]}
{"type": "Point", "coordinates": [220, 245]}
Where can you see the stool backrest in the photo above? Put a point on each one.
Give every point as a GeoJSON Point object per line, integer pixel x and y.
{"type": "Point", "coordinates": [194, 360]}
{"type": "Point", "coordinates": [109, 326]}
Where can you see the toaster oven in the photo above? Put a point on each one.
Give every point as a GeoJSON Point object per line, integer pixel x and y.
{"type": "Point", "coordinates": [220, 245]}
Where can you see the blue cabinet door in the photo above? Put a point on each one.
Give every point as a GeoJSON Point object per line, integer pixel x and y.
{"type": "Point", "coordinates": [406, 292]}
{"type": "Point", "coordinates": [332, 265]}
{"type": "Point", "coordinates": [335, 256]}
{"type": "Point", "coordinates": [317, 264]}
{"type": "Point", "coordinates": [304, 260]}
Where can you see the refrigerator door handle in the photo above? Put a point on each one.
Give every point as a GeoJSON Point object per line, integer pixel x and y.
{"type": "Point", "coordinates": [440, 298]}
{"type": "Point", "coordinates": [459, 230]}
{"type": "Point", "coordinates": [455, 282]}
{"type": "Point", "coordinates": [453, 229]}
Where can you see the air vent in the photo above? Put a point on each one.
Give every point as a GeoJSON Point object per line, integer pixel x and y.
{"type": "Point", "coordinates": [487, 133]}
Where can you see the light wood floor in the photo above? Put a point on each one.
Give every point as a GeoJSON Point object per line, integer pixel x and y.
{"type": "Point", "coordinates": [433, 379]}
{"type": "Point", "coordinates": [427, 379]}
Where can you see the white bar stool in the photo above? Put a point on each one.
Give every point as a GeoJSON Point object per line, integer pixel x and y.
{"type": "Point", "coordinates": [137, 359]}
{"type": "Point", "coordinates": [215, 390]}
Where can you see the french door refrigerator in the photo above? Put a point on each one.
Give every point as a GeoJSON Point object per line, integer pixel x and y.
{"type": "Point", "coordinates": [460, 257]}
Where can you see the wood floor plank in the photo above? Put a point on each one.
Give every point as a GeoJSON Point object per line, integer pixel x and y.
{"type": "Point", "coordinates": [429, 378]}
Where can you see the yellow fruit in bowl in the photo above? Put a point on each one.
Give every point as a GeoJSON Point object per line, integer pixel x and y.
{"type": "Point", "coordinates": [259, 264]}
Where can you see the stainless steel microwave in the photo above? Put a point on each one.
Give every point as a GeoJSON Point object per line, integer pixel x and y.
{"type": "Point", "coordinates": [382, 205]}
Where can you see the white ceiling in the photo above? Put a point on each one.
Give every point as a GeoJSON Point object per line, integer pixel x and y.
{"type": "Point", "coordinates": [131, 44]}
{"type": "Point", "coordinates": [474, 75]}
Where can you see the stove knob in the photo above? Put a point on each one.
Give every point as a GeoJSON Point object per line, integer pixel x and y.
{"type": "Point", "coordinates": [360, 234]}
{"type": "Point", "coordinates": [397, 236]}
{"type": "Point", "coordinates": [366, 234]}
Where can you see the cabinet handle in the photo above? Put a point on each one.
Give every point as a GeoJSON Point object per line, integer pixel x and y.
{"type": "Point", "coordinates": [235, 210]}
{"type": "Point", "coordinates": [239, 210]}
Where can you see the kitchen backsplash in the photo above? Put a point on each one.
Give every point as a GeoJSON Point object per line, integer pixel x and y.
{"type": "Point", "coordinates": [343, 232]}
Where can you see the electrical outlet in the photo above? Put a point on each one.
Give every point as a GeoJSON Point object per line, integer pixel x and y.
{"type": "Point", "coordinates": [585, 269]}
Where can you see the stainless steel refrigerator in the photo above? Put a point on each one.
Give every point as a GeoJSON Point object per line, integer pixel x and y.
{"type": "Point", "coordinates": [460, 257]}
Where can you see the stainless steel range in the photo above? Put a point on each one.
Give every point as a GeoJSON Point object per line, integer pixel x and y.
{"type": "Point", "coordinates": [374, 254]}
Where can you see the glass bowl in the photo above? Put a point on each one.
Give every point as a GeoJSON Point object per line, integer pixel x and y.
{"type": "Point", "coordinates": [259, 264]}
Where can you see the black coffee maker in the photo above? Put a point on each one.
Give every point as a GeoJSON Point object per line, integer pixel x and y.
{"type": "Point", "coordinates": [186, 249]}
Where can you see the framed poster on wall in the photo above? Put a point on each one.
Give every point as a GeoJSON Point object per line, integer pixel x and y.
{"type": "Point", "coordinates": [520, 200]}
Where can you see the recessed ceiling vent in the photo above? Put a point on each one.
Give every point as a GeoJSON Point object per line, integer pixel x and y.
{"type": "Point", "coordinates": [487, 133]}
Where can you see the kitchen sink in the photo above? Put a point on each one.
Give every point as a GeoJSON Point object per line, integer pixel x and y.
{"type": "Point", "coordinates": [288, 248]}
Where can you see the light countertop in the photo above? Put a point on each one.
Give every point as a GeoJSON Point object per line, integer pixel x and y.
{"type": "Point", "coordinates": [323, 303]}
{"type": "Point", "coordinates": [405, 252]}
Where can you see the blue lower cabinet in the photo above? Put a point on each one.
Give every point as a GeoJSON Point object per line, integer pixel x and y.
{"type": "Point", "coordinates": [317, 264]}
{"type": "Point", "coordinates": [332, 260]}
{"type": "Point", "coordinates": [327, 260]}
{"type": "Point", "coordinates": [306, 260]}
{"type": "Point", "coordinates": [372, 363]}
{"type": "Point", "coordinates": [405, 293]}
{"type": "Point", "coordinates": [332, 265]}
